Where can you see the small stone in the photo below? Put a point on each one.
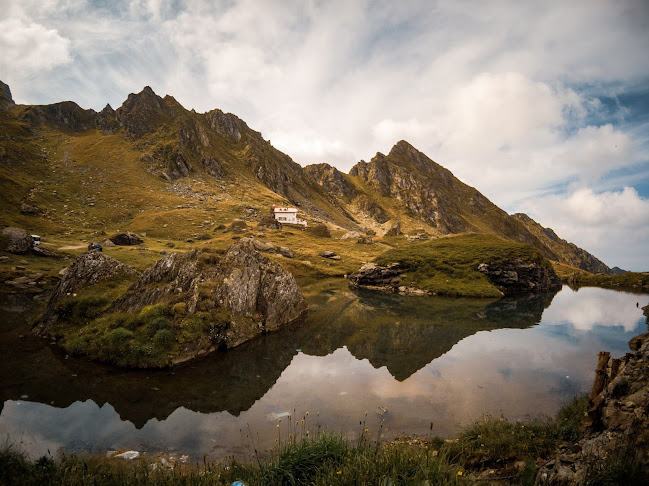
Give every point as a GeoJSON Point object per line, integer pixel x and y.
{"type": "Point", "coordinates": [129, 455]}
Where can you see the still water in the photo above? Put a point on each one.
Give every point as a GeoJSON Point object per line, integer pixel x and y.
{"type": "Point", "coordinates": [424, 364]}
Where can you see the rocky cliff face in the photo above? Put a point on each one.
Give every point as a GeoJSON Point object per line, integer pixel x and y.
{"type": "Point", "coordinates": [6, 101]}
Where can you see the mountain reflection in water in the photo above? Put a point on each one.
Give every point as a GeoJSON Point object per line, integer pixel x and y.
{"type": "Point", "coordinates": [355, 351]}
{"type": "Point", "coordinates": [401, 333]}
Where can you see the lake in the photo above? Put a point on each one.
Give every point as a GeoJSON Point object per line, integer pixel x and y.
{"type": "Point", "coordinates": [422, 365]}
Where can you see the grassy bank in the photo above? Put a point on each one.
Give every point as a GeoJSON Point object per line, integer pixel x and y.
{"type": "Point", "coordinates": [491, 448]}
{"type": "Point", "coordinates": [630, 281]}
{"type": "Point", "coordinates": [449, 266]}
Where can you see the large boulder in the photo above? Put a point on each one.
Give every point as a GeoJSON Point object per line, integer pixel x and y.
{"type": "Point", "coordinates": [89, 269]}
{"type": "Point", "coordinates": [17, 240]}
{"type": "Point", "coordinates": [243, 282]}
{"type": "Point", "coordinates": [126, 239]}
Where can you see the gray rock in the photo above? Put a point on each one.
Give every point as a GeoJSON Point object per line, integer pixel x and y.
{"type": "Point", "coordinates": [285, 252]}
{"type": "Point", "coordinates": [379, 277]}
{"type": "Point", "coordinates": [365, 240]}
{"type": "Point", "coordinates": [621, 426]}
{"type": "Point", "coordinates": [242, 281]}
{"type": "Point", "coordinates": [522, 276]}
{"type": "Point", "coordinates": [18, 240]}
{"type": "Point", "coordinates": [126, 239]}
{"type": "Point", "coordinates": [350, 235]}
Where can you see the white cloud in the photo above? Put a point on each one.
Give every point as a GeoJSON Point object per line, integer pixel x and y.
{"type": "Point", "coordinates": [28, 47]}
{"type": "Point", "coordinates": [613, 225]}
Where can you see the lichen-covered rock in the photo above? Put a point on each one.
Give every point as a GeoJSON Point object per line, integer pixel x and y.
{"type": "Point", "coordinates": [242, 281]}
{"type": "Point", "coordinates": [249, 283]}
{"type": "Point", "coordinates": [89, 269]}
{"type": "Point", "coordinates": [522, 276]}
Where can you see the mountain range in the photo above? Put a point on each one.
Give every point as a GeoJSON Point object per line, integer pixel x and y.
{"type": "Point", "coordinates": [63, 168]}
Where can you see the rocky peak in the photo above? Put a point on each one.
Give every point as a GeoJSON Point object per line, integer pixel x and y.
{"type": "Point", "coordinates": [330, 178]}
{"type": "Point", "coordinates": [108, 110]}
{"type": "Point", "coordinates": [142, 112]}
{"type": "Point", "coordinates": [6, 101]}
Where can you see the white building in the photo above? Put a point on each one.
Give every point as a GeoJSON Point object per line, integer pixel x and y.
{"type": "Point", "coordinates": [286, 215]}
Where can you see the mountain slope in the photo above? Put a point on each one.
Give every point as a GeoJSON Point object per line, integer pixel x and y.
{"type": "Point", "coordinates": [153, 166]}
{"type": "Point", "coordinates": [406, 183]}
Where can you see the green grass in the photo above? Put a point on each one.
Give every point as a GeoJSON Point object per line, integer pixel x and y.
{"type": "Point", "coordinates": [630, 281]}
{"type": "Point", "coordinates": [326, 458]}
{"type": "Point", "coordinates": [449, 266]}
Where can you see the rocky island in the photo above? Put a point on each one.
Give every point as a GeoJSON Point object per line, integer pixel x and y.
{"type": "Point", "coordinates": [184, 306]}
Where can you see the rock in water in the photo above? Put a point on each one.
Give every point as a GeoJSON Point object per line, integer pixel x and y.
{"type": "Point", "coordinates": [89, 269]}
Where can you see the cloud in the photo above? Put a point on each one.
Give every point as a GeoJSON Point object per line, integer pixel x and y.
{"type": "Point", "coordinates": [28, 47]}
{"type": "Point", "coordinates": [613, 225]}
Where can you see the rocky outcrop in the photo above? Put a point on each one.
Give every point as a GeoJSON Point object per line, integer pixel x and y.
{"type": "Point", "coordinates": [226, 125]}
{"type": "Point", "coordinates": [331, 179]}
{"type": "Point", "coordinates": [394, 229]}
{"type": "Point", "coordinates": [6, 101]}
{"type": "Point", "coordinates": [372, 276]}
{"type": "Point", "coordinates": [89, 269]}
{"type": "Point", "coordinates": [142, 113]}
{"type": "Point", "coordinates": [126, 239]}
{"type": "Point", "coordinates": [16, 240]}
{"type": "Point", "coordinates": [617, 431]}
{"type": "Point", "coordinates": [249, 283]}
{"type": "Point", "coordinates": [522, 276]}
{"type": "Point", "coordinates": [243, 282]}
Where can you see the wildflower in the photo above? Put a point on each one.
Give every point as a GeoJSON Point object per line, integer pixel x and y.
{"type": "Point", "coordinates": [459, 473]}
{"type": "Point", "coordinates": [339, 472]}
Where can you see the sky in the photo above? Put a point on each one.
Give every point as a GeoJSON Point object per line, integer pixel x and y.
{"type": "Point", "coordinates": [541, 106]}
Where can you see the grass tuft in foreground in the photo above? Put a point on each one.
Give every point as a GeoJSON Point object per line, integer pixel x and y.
{"type": "Point", "coordinates": [489, 444]}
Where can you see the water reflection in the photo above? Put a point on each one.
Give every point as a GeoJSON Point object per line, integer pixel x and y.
{"type": "Point", "coordinates": [424, 359]}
